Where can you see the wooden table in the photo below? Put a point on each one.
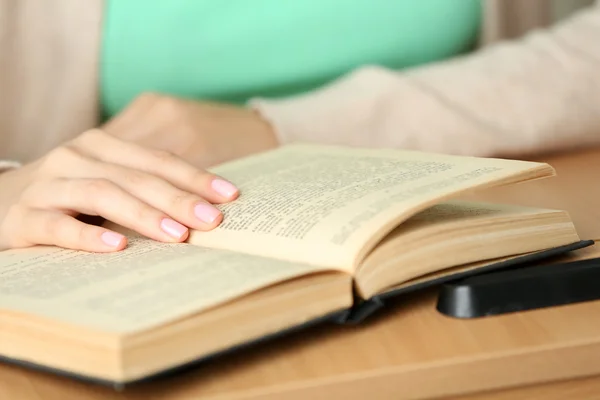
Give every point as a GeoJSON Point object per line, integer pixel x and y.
{"type": "Point", "coordinates": [410, 352]}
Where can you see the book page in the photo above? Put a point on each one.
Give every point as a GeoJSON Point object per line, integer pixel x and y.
{"type": "Point", "coordinates": [147, 284]}
{"type": "Point", "coordinates": [459, 217]}
{"type": "Point", "coordinates": [458, 233]}
{"type": "Point", "coordinates": [324, 204]}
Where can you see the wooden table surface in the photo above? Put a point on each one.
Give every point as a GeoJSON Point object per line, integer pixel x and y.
{"type": "Point", "coordinates": [409, 352]}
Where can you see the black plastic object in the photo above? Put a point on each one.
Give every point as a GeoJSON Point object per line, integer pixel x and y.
{"type": "Point", "coordinates": [521, 289]}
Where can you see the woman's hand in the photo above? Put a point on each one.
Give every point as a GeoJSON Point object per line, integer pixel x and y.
{"type": "Point", "coordinates": [148, 191]}
{"type": "Point", "coordinates": [204, 134]}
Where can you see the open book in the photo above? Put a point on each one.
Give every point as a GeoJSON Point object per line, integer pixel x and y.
{"type": "Point", "coordinates": [318, 232]}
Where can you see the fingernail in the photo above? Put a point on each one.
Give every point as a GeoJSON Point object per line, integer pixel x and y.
{"type": "Point", "coordinates": [224, 188]}
{"type": "Point", "coordinates": [112, 239]}
{"type": "Point", "coordinates": [206, 212]}
{"type": "Point", "coordinates": [173, 228]}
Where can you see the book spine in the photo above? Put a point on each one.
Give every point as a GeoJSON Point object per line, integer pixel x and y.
{"type": "Point", "coordinates": [362, 310]}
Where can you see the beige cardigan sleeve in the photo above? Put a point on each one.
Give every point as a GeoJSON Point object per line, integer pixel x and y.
{"type": "Point", "coordinates": [48, 74]}
{"type": "Point", "coordinates": [5, 165]}
{"type": "Point", "coordinates": [537, 93]}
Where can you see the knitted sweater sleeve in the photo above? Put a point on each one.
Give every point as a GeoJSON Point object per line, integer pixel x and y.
{"type": "Point", "coordinates": [6, 165]}
{"type": "Point", "coordinates": [537, 93]}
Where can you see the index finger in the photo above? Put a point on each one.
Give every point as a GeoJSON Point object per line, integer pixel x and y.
{"type": "Point", "coordinates": [162, 164]}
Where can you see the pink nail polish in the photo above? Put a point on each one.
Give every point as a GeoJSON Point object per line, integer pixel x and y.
{"type": "Point", "coordinates": [173, 228]}
{"type": "Point", "coordinates": [112, 239]}
{"type": "Point", "coordinates": [206, 212]}
{"type": "Point", "coordinates": [224, 188]}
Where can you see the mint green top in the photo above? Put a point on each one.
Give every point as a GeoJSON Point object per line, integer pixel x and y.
{"type": "Point", "coordinates": [237, 49]}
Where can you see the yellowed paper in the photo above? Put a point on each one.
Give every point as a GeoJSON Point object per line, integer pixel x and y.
{"type": "Point", "coordinates": [323, 205]}
{"type": "Point", "coordinates": [147, 284]}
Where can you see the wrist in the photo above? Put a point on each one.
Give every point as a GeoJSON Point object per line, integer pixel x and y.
{"type": "Point", "coordinates": [265, 130]}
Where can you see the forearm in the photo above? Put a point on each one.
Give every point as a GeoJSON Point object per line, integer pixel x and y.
{"type": "Point", "coordinates": [539, 93]}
